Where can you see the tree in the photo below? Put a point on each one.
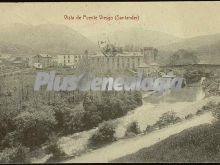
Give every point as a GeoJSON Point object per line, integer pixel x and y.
{"type": "Point", "coordinates": [183, 57]}
{"type": "Point", "coordinates": [33, 128]}
{"type": "Point", "coordinates": [104, 135]}
{"type": "Point", "coordinates": [117, 108]}
{"type": "Point", "coordinates": [69, 120]}
{"type": "Point", "coordinates": [138, 98]}
{"type": "Point", "coordinates": [87, 101]}
{"type": "Point", "coordinates": [91, 119]}
{"type": "Point", "coordinates": [6, 123]}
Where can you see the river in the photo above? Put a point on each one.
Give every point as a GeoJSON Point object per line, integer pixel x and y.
{"type": "Point", "coordinates": [153, 107]}
{"type": "Point", "coordinates": [183, 102]}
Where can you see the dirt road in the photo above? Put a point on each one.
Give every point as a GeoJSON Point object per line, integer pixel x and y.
{"type": "Point", "coordinates": [132, 145]}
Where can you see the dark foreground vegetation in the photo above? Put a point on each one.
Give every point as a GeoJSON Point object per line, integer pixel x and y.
{"type": "Point", "coordinates": [30, 120]}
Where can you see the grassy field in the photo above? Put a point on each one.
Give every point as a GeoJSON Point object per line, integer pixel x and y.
{"type": "Point", "coordinates": [197, 144]}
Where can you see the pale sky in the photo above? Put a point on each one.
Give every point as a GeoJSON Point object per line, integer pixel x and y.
{"type": "Point", "coordinates": [182, 19]}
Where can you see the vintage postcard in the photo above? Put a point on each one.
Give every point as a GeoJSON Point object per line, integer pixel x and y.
{"type": "Point", "coordinates": [108, 82]}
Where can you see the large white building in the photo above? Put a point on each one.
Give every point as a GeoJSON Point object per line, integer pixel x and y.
{"type": "Point", "coordinates": [71, 60]}
{"type": "Point", "coordinates": [144, 61]}
{"type": "Point", "coordinates": [126, 60]}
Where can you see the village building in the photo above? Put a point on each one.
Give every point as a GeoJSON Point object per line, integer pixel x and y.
{"type": "Point", "coordinates": [20, 62]}
{"type": "Point", "coordinates": [127, 60]}
{"type": "Point", "coordinates": [42, 61]}
{"type": "Point", "coordinates": [143, 61]}
{"type": "Point", "coordinates": [70, 60]}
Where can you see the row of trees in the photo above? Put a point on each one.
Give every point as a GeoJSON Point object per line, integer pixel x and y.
{"type": "Point", "coordinates": [109, 105]}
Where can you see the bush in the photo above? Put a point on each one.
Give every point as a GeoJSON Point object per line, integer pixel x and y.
{"type": "Point", "coordinates": [209, 106]}
{"type": "Point", "coordinates": [189, 116]}
{"type": "Point", "coordinates": [216, 111]}
{"type": "Point", "coordinates": [54, 149]}
{"type": "Point", "coordinates": [104, 135]}
{"type": "Point", "coordinates": [177, 120]}
{"type": "Point", "coordinates": [167, 118]}
{"type": "Point", "coordinates": [199, 112]}
{"type": "Point", "coordinates": [150, 128]}
{"type": "Point", "coordinates": [133, 129]}
{"type": "Point", "coordinates": [18, 154]}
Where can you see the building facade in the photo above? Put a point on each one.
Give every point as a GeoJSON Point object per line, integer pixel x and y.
{"type": "Point", "coordinates": [71, 60]}
{"type": "Point", "coordinates": [144, 61]}
{"type": "Point", "coordinates": [44, 60]}
{"type": "Point", "coordinates": [119, 62]}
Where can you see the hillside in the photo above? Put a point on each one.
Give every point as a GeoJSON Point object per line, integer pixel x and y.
{"type": "Point", "coordinates": [136, 36]}
{"type": "Point", "coordinates": [206, 47]}
{"type": "Point", "coordinates": [23, 39]}
{"type": "Point", "coordinates": [45, 38]}
{"type": "Point", "coordinates": [197, 144]}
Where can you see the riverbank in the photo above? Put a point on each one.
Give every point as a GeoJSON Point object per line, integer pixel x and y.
{"type": "Point", "coordinates": [132, 145]}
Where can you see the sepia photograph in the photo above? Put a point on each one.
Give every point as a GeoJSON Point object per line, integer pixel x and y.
{"type": "Point", "coordinates": [110, 82]}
